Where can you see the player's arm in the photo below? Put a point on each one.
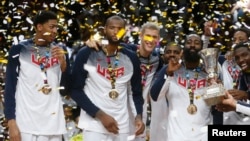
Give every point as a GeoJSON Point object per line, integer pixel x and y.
{"type": "Point", "coordinates": [65, 79]}
{"type": "Point", "coordinates": [78, 78]}
{"type": "Point", "coordinates": [11, 82]}
{"type": "Point", "coordinates": [161, 82]}
{"type": "Point", "coordinates": [10, 90]}
{"type": "Point", "coordinates": [136, 88]}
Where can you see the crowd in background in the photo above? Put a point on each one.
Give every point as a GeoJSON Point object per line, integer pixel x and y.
{"type": "Point", "coordinates": [80, 19]}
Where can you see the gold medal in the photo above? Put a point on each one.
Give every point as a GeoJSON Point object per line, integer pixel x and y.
{"type": "Point", "coordinates": [46, 89]}
{"type": "Point", "coordinates": [113, 94]}
{"type": "Point", "coordinates": [192, 109]}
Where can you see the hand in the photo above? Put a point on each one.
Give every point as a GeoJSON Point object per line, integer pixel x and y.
{"type": "Point", "coordinates": [227, 104]}
{"type": "Point", "coordinates": [174, 64]}
{"type": "Point", "coordinates": [91, 43]}
{"type": "Point", "coordinates": [59, 53]}
{"type": "Point", "coordinates": [209, 28]}
{"type": "Point", "coordinates": [229, 56]}
{"type": "Point", "coordinates": [139, 125]}
{"type": "Point", "coordinates": [108, 122]}
{"type": "Point", "coordinates": [238, 94]}
{"type": "Point", "coordinates": [14, 132]}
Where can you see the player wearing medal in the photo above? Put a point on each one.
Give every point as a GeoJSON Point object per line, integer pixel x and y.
{"type": "Point", "coordinates": [159, 108]}
{"type": "Point", "coordinates": [231, 75]}
{"type": "Point", "coordinates": [35, 69]}
{"type": "Point", "coordinates": [182, 83]}
{"type": "Point", "coordinates": [150, 64]}
{"type": "Point", "coordinates": [241, 54]}
{"type": "Point", "coordinates": [101, 81]}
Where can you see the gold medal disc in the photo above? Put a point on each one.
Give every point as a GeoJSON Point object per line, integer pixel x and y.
{"type": "Point", "coordinates": [192, 109]}
{"type": "Point", "coordinates": [46, 89]}
{"type": "Point", "coordinates": [113, 94]}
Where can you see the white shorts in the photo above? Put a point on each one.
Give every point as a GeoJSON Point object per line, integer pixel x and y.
{"type": "Point", "coordinates": [31, 137]}
{"type": "Point", "coordinates": [94, 136]}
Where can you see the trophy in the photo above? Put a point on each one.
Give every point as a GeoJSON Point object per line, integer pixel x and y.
{"type": "Point", "coordinates": [215, 92]}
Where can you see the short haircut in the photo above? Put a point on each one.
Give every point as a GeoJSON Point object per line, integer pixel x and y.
{"type": "Point", "coordinates": [242, 44]}
{"type": "Point", "coordinates": [150, 25]}
{"type": "Point", "coordinates": [192, 34]}
{"type": "Point", "coordinates": [43, 17]}
{"type": "Point", "coordinates": [172, 43]}
{"type": "Point", "coordinates": [196, 35]}
{"type": "Point", "coordinates": [245, 30]}
{"type": "Point", "coordinates": [115, 17]}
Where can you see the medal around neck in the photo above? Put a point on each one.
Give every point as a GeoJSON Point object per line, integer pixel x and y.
{"type": "Point", "coordinates": [113, 94]}
{"type": "Point", "coordinates": [192, 109]}
{"type": "Point", "coordinates": [46, 89]}
{"type": "Point", "coordinates": [215, 92]}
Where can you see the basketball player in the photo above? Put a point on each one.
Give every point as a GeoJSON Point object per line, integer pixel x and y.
{"type": "Point", "coordinates": [231, 104]}
{"type": "Point", "coordinates": [101, 81]}
{"type": "Point", "coordinates": [159, 108]}
{"type": "Point", "coordinates": [241, 54]}
{"type": "Point", "coordinates": [150, 64]}
{"type": "Point", "coordinates": [230, 75]}
{"type": "Point", "coordinates": [33, 105]}
{"type": "Point", "coordinates": [188, 114]}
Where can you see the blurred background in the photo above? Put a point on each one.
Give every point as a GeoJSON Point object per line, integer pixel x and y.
{"type": "Point", "coordinates": [81, 19]}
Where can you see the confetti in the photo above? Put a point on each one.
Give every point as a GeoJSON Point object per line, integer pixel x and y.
{"type": "Point", "coordinates": [148, 38]}
{"type": "Point", "coordinates": [120, 33]}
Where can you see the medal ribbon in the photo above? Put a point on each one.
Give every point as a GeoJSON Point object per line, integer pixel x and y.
{"type": "Point", "coordinates": [43, 63]}
{"type": "Point", "coordinates": [192, 86]}
{"type": "Point", "coordinates": [113, 71]}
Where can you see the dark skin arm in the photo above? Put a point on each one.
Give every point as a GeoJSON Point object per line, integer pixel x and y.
{"type": "Point", "coordinates": [140, 126]}
{"type": "Point", "coordinates": [108, 122]}
{"type": "Point", "coordinates": [59, 53]}
{"type": "Point", "coordinates": [14, 131]}
{"type": "Point", "coordinates": [238, 94]}
{"type": "Point", "coordinates": [227, 104]}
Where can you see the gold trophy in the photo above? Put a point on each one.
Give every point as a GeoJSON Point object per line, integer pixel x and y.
{"type": "Point", "coordinates": [215, 92]}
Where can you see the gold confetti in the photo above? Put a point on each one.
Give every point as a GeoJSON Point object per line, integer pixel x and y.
{"type": "Point", "coordinates": [120, 33]}
{"type": "Point", "coordinates": [148, 38]}
{"type": "Point", "coordinates": [47, 33]}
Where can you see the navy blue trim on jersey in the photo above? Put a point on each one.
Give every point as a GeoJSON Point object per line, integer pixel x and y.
{"type": "Point", "coordinates": [65, 78]}
{"type": "Point", "coordinates": [158, 83]}
{"type": "Point", "coordinates": [12, 74]}
{"type": "Point", "coordinates": [132, 47]}
{"type": "Point", "coordinates": [244, 82]}
{"type": "Point", "coordinates": [135, 80]}
{"type": "Point", "coordinates": [79, 76]}
{"type": "Point", "coordinates": [78, 79]}
{"type": "Point", "coordinates": [13, 66]}
{"type": "Point", "coordinates": [243, 103]}
{"type": "Point", "coordinates": [217, 116]}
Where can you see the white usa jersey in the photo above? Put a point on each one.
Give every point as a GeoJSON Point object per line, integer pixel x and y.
{"type": "Point", "coordinates": [91, 87]}
{"type": "Point", "coordinates": [229, 72]}
{"type": "Point", "coordinates": [36, 113]}
{"type": "Point", "coordinates": [182, 126]}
